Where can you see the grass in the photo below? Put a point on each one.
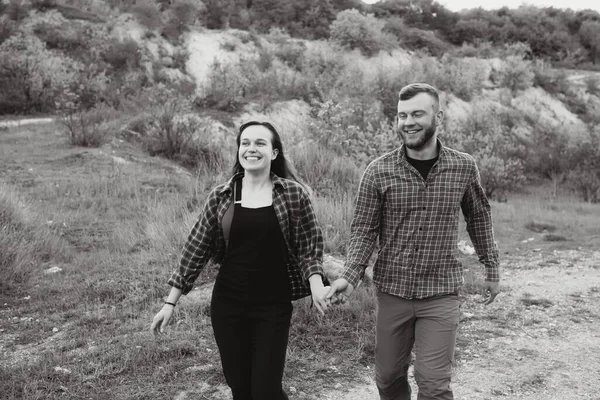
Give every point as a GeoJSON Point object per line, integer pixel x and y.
{"type": "Point", "coordinates": [116, 228]}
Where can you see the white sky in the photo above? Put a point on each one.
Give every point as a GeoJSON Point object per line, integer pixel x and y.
{"type": "Point", "coordinates": [457, 5]}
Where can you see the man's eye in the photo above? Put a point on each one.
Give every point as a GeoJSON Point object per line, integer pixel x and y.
{"type": "Point", "coordinates": [402, 116]}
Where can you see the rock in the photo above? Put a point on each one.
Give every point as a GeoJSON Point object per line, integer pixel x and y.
{"type": "Point", "coordinates": [62, 370]}
{"type": "Point", "coordinates": [52, 270]}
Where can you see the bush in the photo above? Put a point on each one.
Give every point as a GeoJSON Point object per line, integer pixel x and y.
{"type": "Point", "coordinates": [592, 84]}
{"type": "Point", "coordinates": [17, 10]}
{"type": "Point", "coordinates": [552, 81]}
{"type": "Point", "coordinates": [31, 76]}
{"type": "Point", "coordinates": [174, 133]}
{"type": "Point", "coordinates": [90, 128]}
{"type": "Point", "coordinates": [353, 30]}
{"type": "Point", "coordinates": [7, 28]}
{"type": "Point", "coordinates": [462, 76]}
{"type": "Point", "coordinates": [487, 135]}
{"type": "Point", "coordinates": [516, 74]}
{"type": "Point", "coordinates": [122, 55]}
{"type": "Point", "coordinates": [148, 14]}
{"type": "Point", "coordinates": [584, 175]}
{"type": "Point", "coordinates": [416, 39]}
{"type": "Point", "coordinates": [59, 37]}
{"type": "Point", "coordinates": [347, 129]}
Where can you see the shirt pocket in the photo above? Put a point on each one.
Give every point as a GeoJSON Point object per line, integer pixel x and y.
{"type": "Point", "coordinates": [448, 196]}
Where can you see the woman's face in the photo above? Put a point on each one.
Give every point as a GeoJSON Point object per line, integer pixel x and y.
{"type": "Point", "coordinates": [256, 148]}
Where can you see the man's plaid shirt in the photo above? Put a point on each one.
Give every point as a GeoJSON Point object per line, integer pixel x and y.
{"type": "Point", "coordinates": [416, 222]}
{"type": "Point", "coordinates": [298, 222]}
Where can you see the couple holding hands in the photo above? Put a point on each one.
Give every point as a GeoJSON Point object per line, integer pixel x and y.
{"type": "Point", "coordinates": [261, 228]}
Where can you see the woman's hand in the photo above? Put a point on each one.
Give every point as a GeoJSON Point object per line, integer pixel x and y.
{"type": "Point", "coordinates": [319, 297]}
{"type": "Point", "coordinates": [161, 319]}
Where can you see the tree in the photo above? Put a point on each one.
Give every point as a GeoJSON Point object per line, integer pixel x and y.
{"type": "Point", "coordinates": [354, 30]}
{"type": "Point", "coordinates": [31, 76]}
{"type": "Point", "coordinates": [590, 38]}
{"type": "Point", "coordinates": [584, 175]}
{"type": "Point", "coordinates": [269, 13]}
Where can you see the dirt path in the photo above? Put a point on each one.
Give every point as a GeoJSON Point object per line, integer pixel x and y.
{"type": "Point", "coordinates": [539, 341]}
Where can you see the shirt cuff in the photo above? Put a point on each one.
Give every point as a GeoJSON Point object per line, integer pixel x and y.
{"type": "Point", "coordinates": [176, 281]}
{"type": "Point", "coordinates": [353, 274]}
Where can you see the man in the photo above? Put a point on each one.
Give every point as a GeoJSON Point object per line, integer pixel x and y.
{"type": "Point", "coordinates": [409, 199]}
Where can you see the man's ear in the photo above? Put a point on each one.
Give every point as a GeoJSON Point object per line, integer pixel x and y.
{"type": "Point", "coordinates": [439, 116]}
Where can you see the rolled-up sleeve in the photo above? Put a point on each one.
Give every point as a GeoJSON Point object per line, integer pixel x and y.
{"type": "Point", "coordinates": [198, 248]}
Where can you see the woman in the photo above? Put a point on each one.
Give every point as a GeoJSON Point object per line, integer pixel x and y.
{"type": "Point", "coordinates": [261, 228]}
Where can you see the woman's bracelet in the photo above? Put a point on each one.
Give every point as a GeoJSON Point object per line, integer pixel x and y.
{"type": "Point", "coordinates": [168, 302]}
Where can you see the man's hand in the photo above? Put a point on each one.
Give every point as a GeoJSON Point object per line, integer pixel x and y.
{"type": "Point", "coordinates": [341, 289]}
{"type": "Point", "coordinates": [490, 291]}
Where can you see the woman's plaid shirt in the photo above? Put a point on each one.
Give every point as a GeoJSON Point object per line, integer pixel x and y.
{"type": "Point", "coordinates": [298, 222]}
{"type": "Point", "coordinates": [416, 222]}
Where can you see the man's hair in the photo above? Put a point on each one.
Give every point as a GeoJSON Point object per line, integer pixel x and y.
{"type": "Point", "coordinates": [410, 91]}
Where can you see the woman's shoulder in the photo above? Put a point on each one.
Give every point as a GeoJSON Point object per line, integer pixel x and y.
{"type": "Point", "coordinates": [293, 186]}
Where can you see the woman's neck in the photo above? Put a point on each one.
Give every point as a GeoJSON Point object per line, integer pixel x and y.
{"type": "Point", "coordinates": [256, 180]}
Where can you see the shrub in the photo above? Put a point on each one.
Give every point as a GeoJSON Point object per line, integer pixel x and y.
{"type": "Point", "coordinates": [584, 175]}
{"type": "Point", "coordinates": [353, 30]}
{"type": "Point", "coordinates": [416, 39]}
{"type": "Point", "coordinates": [225, 86]}
{"type": "Point", "coordinates": [592, 84]}
{"type": "Point", "coordinates": [17, 10]}
{"type": "Point", "coordinates": [181, 14]}
{"type": "Point", "coordinates": [291, 53]}
{"type": "Point", "coordinates": [335, 127]}
{"type": "Point", "coordinates": [486, 134]}
{"type": "Point", "coordinates": [174, 133]}
{"type": "Point", "coordinates": [462, 76]}
{"type": "Point", "coordinates": [321, 67]}
{"type": "Point", "coordinates": [147, 13]}
{"type": "Point", "coordinates": [552, 81]}
{"type": "Point", "coordinates": [122, 54]}
{"type": "Point", "coordinates": [59, 37]}
{"type": "Point", "coordinates": [31, 76]}
{"type": "Point", "coordinates": [7, 28]}
{"type": "Point", "coordinates": [516, 74]}
{"type": "Point", "coordinates": [89, 128]}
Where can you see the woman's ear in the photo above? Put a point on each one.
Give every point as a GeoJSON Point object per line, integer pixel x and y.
{"type": "Point", "coordinates": [275, 153]}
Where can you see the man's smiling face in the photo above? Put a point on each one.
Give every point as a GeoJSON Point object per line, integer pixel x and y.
{"type": "Point", "coordinates": [418, 119]}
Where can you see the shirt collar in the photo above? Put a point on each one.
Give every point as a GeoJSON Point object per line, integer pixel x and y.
{"type": "Point", "coordinates": [277, 181]}
{"type": "Point", "coordinates": [402, 152]}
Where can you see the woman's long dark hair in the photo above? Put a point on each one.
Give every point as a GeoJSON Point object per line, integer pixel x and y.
{"type": "Point", "coordinates": [280, 166]}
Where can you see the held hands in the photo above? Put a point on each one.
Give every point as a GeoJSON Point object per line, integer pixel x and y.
{"type": "Point", "coordinates": [319, 297]}
{"type": "Point", "coordinates": [161, 319]}
{"type": "Point", "coordinates": [340, 290]}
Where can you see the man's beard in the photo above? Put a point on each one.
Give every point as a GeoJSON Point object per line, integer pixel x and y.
{"type": "Point", "coordinates": [423, 140]}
